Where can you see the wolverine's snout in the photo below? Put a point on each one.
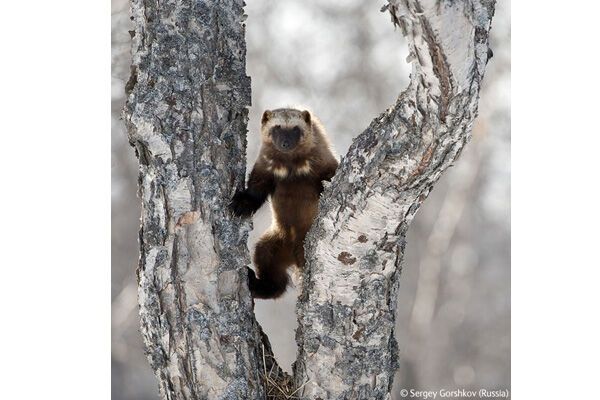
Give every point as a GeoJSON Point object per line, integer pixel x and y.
{"type": "Point", "coordinates": [286, 139]}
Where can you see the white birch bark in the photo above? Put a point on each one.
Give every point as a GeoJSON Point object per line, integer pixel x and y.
{"type": "Point", "coordinates": [186, 115]}
{"type": "Point", "coordinates": [346, 311]}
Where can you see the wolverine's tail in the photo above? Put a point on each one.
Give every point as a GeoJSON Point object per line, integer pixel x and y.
{"type": "Point", "coordinates": [269, 286]}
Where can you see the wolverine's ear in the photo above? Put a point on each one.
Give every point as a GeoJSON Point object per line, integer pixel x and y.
{"type": "Point", "coordinates": [306, 116]}
{"type": "Point", "coordinates": [265, 117]}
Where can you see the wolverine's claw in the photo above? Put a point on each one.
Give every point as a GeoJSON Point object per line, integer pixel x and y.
{"type": "Point", "coordinates": [241, 204]}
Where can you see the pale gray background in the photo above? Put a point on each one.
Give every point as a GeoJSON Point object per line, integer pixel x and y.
{"type": "Point", "coordinates": [344, 61]}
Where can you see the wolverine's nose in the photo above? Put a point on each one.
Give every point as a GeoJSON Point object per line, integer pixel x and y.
{"type": "Point", "coordinates": [286, 139]}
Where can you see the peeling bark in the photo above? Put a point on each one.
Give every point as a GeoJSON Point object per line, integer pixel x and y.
{"type": "Point", "coordinates": [186, 115]}
{"type": "Point", "coordinates": [354, 252]}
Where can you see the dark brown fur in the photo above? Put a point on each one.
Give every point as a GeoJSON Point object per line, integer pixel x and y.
{"type": "Point", "coordinates": [293, 177]}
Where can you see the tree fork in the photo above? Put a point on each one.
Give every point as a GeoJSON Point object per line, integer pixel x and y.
{"type": "Point", "coordinates": [186, 115]}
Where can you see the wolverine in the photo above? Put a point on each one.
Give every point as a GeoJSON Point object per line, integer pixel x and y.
{"type": "Point", "coordinates": [294, 159]}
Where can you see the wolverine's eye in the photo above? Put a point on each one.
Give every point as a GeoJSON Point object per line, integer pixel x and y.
{"type": "Point", "coordinates": [297, 131]}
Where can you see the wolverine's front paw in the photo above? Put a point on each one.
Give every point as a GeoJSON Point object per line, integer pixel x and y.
{"type": "Point", "coordinates": [242, 204]}
{"type": "Point", "coordinates": [251, 274]}
{"type": "Point", "coordinates": [252, 280]}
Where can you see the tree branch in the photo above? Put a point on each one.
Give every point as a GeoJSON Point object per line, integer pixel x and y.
{"type": "Point", "coordinates": [346, 311]}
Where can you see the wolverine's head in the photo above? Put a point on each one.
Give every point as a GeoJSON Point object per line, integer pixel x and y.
{"type": "Point", "coordinates": [287, 129]}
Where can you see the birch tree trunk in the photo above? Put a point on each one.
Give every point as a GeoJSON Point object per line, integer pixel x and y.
{"type": "Point", "coordinates": [354, 252]}
{"type": "Point", "coordinates": [187, 114]}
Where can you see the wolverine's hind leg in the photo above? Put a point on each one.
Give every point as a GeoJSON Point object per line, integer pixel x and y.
{"type": "Point", "coordinates": [272, 257]}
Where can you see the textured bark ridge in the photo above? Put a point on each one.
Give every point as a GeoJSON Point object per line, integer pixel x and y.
{"type": "Point", "coordinates": [187, 114]}
{"type": "Point", "coordinates": [346, 311]}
